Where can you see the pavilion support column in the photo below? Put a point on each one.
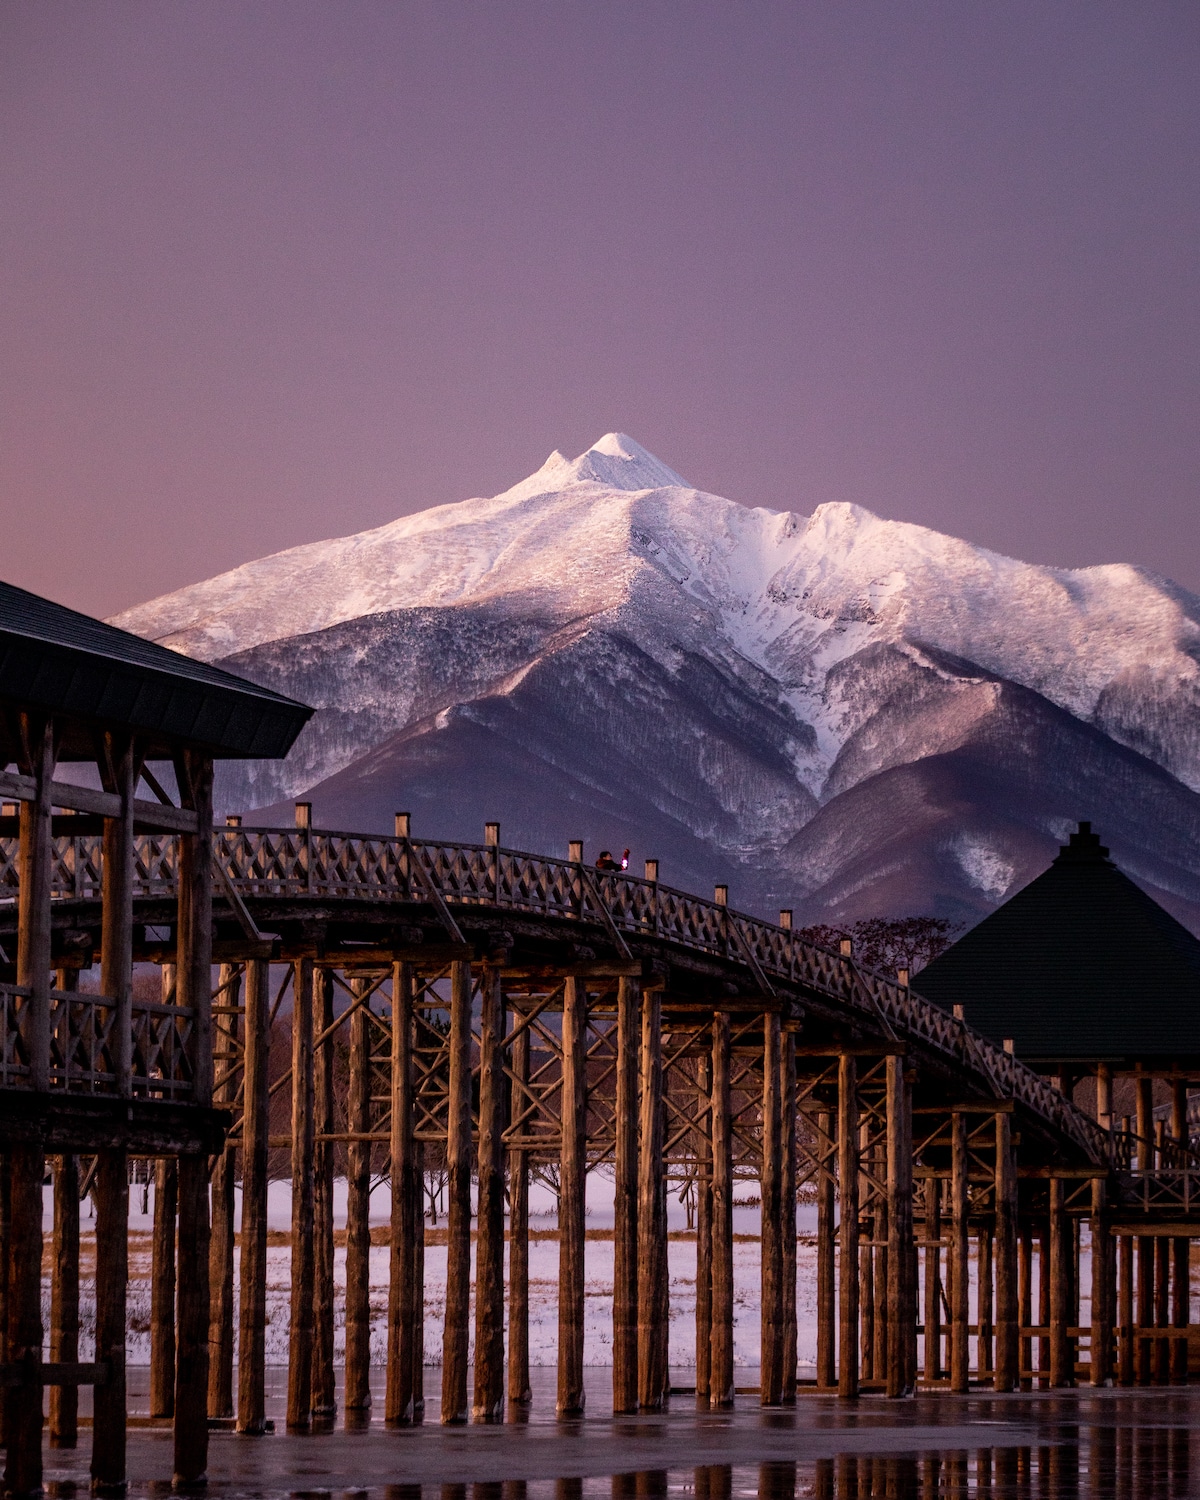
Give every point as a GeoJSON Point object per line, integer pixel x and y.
{"type": "Point", "coordinates": [848, 1166]}
{"type": "Point", "coordinates": [1144, 1094]}
{"type": "Point", "coordinates": [1126, 1360]}
{"type": "Point", "coordinates": [520, 1392]}
{"type": "Point", "coordinates": [1007, 1376]}
{"type": "Point", "coordinates": [64, 1297]}
{"type": "Point", "coordinates": [901, 1308]}
{"type": "Point", "coordinates": [1062, 1362]}
{"type": "Point", "coordinates": [193, 983]}
{"type": "Point", "coordinates": [300, 1335]}
{"type": "Point", "coordinates": [488, 1403]}
{"type": "Point", "coordinates": [572, 1223]}
{"type": "Point", "coordinates": [252, 1350]}
{"type": "Point", "coordinates": [788, 1215]}
{"type": "Point", "coordinates": [826, 1254]}
{"type": "Point", "coordinates": [1180, 1247]}
{"type": "Point", "coordinates": [960, 1263]}
{"type": "Point", "coordinates": [34, 865]}
{"type": "Point", "coordinates": [324, 1398]}
{"type": "Point", "coordinates": [1025, 1301]}
{"type": "Point", "coordinates": [653, 1293]}
{"type": "Point", "coordinates": [985, 1303]}
{"type": "Point", "coordinates": [112, 1274]}
{"type": "Point", "coordinates": [1162, 1309]}
{"type": "Point", "coordinates": [625, 1258]}
{"type": "Point", "coordinates": [220, 1251]}
{"type": "Point", "coordinates": [866, 1258]}
{"type": "Point", "coordinates": [406, 1297]}
{"type": "Point", "coordinates": [25, 1167]}
{"type": "Point", "coordinates": [771, 1191]}
{"type": "Point", "coordinates": [933, 1279]}
{"type": "Point", "coordinates": [357, 1393]}
{"type": "Point", "coordinates": [720, 1369]}
{"type": "Point", "coordinates": [703, 1147]}
{"type": "Point", "coordinates": [162, 1288]}
{"type": "Point", "coordinates": [456, 1332]}
{"type": "Point", "coordinates": [1102, 1289]}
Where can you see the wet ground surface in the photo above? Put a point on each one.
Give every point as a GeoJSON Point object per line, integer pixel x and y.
{"type": "Point", "coordinates": [1115, 1444]}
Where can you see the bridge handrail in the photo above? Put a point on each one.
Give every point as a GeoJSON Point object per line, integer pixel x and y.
{"type": "Point", "coordinates": [305, 861]}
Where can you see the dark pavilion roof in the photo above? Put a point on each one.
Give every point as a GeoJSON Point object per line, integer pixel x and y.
{"type": "Point", "coordinates": [92, 674]}
{"type": "Point", "coordinates": [1081, 964]}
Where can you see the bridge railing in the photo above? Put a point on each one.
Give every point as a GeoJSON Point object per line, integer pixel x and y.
{"type": "Point", "coordinates": [275, 862]}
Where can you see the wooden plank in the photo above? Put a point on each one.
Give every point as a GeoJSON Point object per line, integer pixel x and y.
{"type": "Point", "coordinates": [456, 1332]}
{"type": "Point", "coordinates": [488, 1400]}
{"type": "Point", "coordinates": [324, 1397]}
{"type": "Point", "coordinates": [112, 1274]}
{"type": "Point", "coordinates": [848, 1232]}
{"type": "Point", "coordinates": [300, 1334]}
{"type": "Point", "coordinates": [572, 1182]}
{"type": "Point", "coordinates": [64, 1298]}
{"type": "Point", "coordinates": [771, 1242]}
{"type": "Point", "coordinates": [625, 1202]}
{"type": "Point", "coordinates": [721, 1386]}
{"type": "Point", "coordinates": [162, 1289]}
{"type": "Point", "coordinates": [520, 1393]}
{"type": "Point", "coordinates": [960, 1208]}
{"type": "Point", "coordinates": [358, 1208]}
{"type": "Point", "coordinates": [252, 1412]}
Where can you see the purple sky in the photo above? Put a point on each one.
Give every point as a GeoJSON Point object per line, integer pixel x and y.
{"type": "Point", "coordinates": [276, 271]}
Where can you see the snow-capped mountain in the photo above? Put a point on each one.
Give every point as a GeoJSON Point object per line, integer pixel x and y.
{"type": "Point", "coordinates": [833, 711]}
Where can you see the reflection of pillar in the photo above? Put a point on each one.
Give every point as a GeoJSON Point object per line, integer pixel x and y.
{"type": "Point", "coordinates": [848, 1330]}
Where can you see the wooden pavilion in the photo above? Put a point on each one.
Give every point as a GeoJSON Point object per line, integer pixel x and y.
{"type": "Point", "coordinates": [101, 1076]}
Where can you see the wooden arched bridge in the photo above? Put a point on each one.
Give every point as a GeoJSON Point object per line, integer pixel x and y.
{"type": "Point", "coordinates": [486, 1010]}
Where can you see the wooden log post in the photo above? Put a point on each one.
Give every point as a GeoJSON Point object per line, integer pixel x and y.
{"type": "Point", "coordinates": [720, 1370]}
{"type": "Point", "coordinates": [985, 1304]}
{"type": "Point", "coordinates": [1162, 1309]}
{"type": "Point", "coordinates": [1180, 1245]}
{"type": "Point", "coordinates": [771, 1195]}
{"type": "Point", "coordinates": [933, 1279]}
{"type": "Point", "coordinates": [1025, 1301]}
{"type": "Point", "coordinates": [866, 1257]}
{"type": "Point", "coordinates": [406, 1297]}
{"type": "Point", "coordinates": [790, 1339]}
{"type": "Point", "coordinates": [223, 1197]}
{"type": "Point", "coordinates": [1102, 1289]}
{"type": "Point", "coordinates": [64, 1298]}
{"type": "Point", "coordinates": [300, 1331]}
{"type": "Point", "coordinates": [456, 1331]}
{"type": "Point", "coordinates": [848, 1167]}
{"type": "Point", "coordinates": [488, 1404]}
{"type": "Point", "coordinates": [34, 864]}
{"type": "Point", "coordinates": [112, 1275]}
{"type": "Point", "coordinates": [324, 1397]}
{"type": "Point", "coordinates": [703, 1148]}
{"type": "Point", "coordinates": [25, 1168]}
{"type": "Point", "coordinates": [193, 982]}
{"type": "Point", "coordinates": [162, 1288]}
{"type": "Point", "coordinates": [960, 1264]}
{"type": "Point", "coordinates": [1062, 1362]}
{"type": "Point", "coordinates": [653, 1292]}
{"type": "Point", "coordinates": [1144, 1094]}
{"type": "Point", "coordinates": [1009, 1309]}
{"type": "Point", "coordinates": [520, 1392]}
{"type": "Point", "coordinates": [901, 1310]}
{"type": "Point", "coordinates": [625, 1196]}
{"type": "Point", "coordinates": [1126, 1361]}
{"type": "Point", "coordinates": [572, 1205]}
{"type": "Point", "coordinates": [357, 1390]}
{"type": "Point", "coordinates": [252, 1320]}
{"type": "Point", "coordinates": [826, 1254]}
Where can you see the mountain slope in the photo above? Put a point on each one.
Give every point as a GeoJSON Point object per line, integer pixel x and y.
{"type": "Point", "coordinates": [606, 652]}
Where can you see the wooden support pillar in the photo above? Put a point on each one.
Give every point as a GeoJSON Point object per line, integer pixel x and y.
{"type": "Point", "coordinates": [653, 1292]}
{"type": "Point", "coordinates": [960, 1264]}
{"type": "Point", "coordinates": [34, 856]}
{"type": "Point", "coordinates": [406, 1297]}
{"type": "Point", "coordinates": [771, 1195]}
{"type": "Point", "coordinates": [1180, 1246]}
{"type": "Point", "coordinates": [826, 1254]}
{"type": "Point", "coordinates": [300, 1335]}
{"type": "Point", "coordinates": [1062, 1361]}
{"type": "Point", "coordinates": [488, 1404]}
{"type": "Point", "coordinates": [703, 1148]}
{"type": "Point", "coordinates": [324, 1398]}
{"type": "Point", "coordinates": [112, 1275]}
{"type": "Point", "coordinates": [985, 1304]}
{"type": "Point", "coordinates": [1009, 1308]}
{"type": "Point", "coordinates": [901, 1301]}
{"type": "Point", "coordinates": [788, 1091]}
{"type": "Point", "coordinates": [162, 1288]}
{"type": "Point", "coordinates": [625, 1260]}
{"type": "Point", "coordinates": [572, 1189]}
{"type": "Point", "coordinates": [1025, 1301]}
{"type": "Point", "coordinates": [252, 1354]}
{"type": "Point", "coordinates": [1102, 1290]}
{"type": "Point", "coordinates": [866, 1258]}
{"type": "Point", "coordinates": [220, 1253]}
{"type": "Point", "coordinates": [1045, 1276]}
{"type": "Point", "coordinates": [357, 1393]}
{"type": "Point", "coordinates": [25, 1167]}
{"type": "Point", "coordinates": [848, 1228]}
{"type": "Point", "coordinates": [1145, 1245]}
{"type": "Point", "coordinates": [933, 1279]}
{"type": "Point", "coordinates": [193, 981]}
{"type": "Point", "coordinates": [1162, 1309]}
{"type": "Point", "coordinates": [720, 1369]}
{"type": "Point", "coordinates": [456, 1334]}
{"type": "Point", "coordinates": [64, 1299]}
{"type": "Point", "coordinates": [1126, 1360]}
{"type": "Point", "coordinates": [520, 1392]}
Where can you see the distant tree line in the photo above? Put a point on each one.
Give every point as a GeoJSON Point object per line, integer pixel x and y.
{"type": "Point", "coordinates": [889, 943]}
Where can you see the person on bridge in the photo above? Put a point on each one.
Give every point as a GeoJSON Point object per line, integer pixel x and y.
{"type": "Point", "coordinates": [606, 862]}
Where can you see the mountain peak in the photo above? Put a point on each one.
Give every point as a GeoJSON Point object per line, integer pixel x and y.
{"type": "Point", "coordinates": [617, 462]}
